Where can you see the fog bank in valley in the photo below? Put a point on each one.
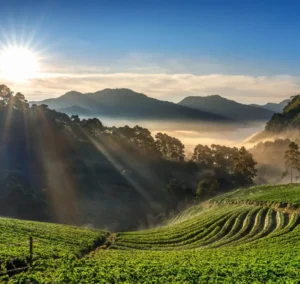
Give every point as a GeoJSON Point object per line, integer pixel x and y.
{"type": "Point", "coordinates": [192, 134]}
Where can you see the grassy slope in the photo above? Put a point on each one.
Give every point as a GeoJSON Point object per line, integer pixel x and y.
{"type": "Point", "coordinates": [237, 243]}
{"type": "Point", "coordinates": [49, 240]}
{"type": "Point", "coordinates": [285, 194]}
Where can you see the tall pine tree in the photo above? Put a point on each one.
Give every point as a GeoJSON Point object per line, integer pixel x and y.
{"type": "Point", "coordinates": [292, 159]}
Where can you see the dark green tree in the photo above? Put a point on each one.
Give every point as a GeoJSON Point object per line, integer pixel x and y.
{"type": "Point", "coordinates": [207, 188]}
{"type": "Point", "coordinates": [244, 167]}
{"type": "Point", "coordinates": [179, 190]}
{"type": "Point", "coordinates": [292, 159]}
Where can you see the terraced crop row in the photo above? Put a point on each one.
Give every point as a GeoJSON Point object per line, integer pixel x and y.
{"type": "Point", "coordinates": [49, 240]}
{"type": "Point", "coordinates": [225, 225]}
{"type": "Point", "coordinates": [287, 195]}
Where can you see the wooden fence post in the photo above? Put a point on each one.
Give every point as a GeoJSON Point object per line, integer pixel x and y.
{"type": "Point", "coordinates": [30, 250]}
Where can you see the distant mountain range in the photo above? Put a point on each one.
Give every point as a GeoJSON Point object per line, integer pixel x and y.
{"type": "Point", "coordinates": [277, 108]}
{"type": "Point", "coordinates": [125, 103]}
{"type": "Point", "coordinates": [228, 108]}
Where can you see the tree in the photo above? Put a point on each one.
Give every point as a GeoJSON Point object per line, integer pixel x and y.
{"type": "Point", "coordinates": [244, 167]}
{"type": "Point", "coordinates": [292, 159]}
{"type": "Point", "coordinates": [5, 95]}
{"type": "Point", "coordinates": [92, 125]}
{"type": "Point", "coordinates": [137, 138]}
{"type": "Point", "coordinates": [171, 148]}
{"type": "Point", "coordinates": [203, 156]}
{"type": "Point", "coordinates": [207, 188]}
{"type": "Point", "coordinates": [179, 191]}
{"type": "Point", "coordinates": [20, 102]}
{"type": "Point", "coordinates": [223, 158]}
{"type": "Point", "coordinates": [75, 119]}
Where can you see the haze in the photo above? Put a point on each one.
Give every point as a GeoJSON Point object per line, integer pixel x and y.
{"type": "Point", "coordinates": [192, 134]}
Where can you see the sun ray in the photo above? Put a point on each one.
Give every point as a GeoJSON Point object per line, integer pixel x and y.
{"type": "Point", "coordinates": [62, 188]}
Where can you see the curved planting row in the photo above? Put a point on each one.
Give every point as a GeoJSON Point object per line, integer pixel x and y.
{"type": "Point", "coordinates": [214, 227]}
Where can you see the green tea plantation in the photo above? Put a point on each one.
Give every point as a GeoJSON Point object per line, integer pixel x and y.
{"type": "Point", "coordinates": [247, 236]}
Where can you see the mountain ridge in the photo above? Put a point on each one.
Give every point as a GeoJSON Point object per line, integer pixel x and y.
{"type": "Point", "coordinates": [228, 108]}
{"type": "Point", "coordinates": [128, 104]}
{"type": "Point", "coordinates": [276, 107]}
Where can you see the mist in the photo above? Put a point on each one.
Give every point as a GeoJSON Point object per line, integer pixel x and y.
{"type": "Point", "coordinates": [194, 133]}
{"type": "Point", "coordinates": [270, 161]}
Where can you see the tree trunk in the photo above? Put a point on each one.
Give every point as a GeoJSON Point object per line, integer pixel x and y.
{"type": "Point", "coordinates": [291, 175]}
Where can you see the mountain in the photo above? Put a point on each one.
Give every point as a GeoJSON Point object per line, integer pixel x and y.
{"type": "Point", "coordinates": [125, 103]}
{"type": "Point", "coordinates": [228, 108]}
{"type": "Point", "coordinates": [275, 107]}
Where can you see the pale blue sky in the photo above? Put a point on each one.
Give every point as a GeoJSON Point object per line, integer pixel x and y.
{"type": "Point", "coordinates": [256, 39]}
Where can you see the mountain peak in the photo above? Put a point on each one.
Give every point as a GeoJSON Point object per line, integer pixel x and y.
{"type": "Point", "coordinates": [214, 97]}
{"type": "Point", "coordinates": [117, 92]}
{"type": "Point", "coordinates": [217, 104]}
{"type": "Point", "coordinates": [71, 94]}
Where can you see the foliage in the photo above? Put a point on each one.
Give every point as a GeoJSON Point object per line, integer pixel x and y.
{"type": "Point", "coordinates": [244, 167]}
{"type": "Point", "coordinates": [232, 167]}
{"type": "Point", "coordinates": [242, 264]}
{"type": "Point", "coordinates": [203, 156]}
{"type": "Point", "coordinates": [207, 188]}
{"type": "Point", "coordinates": [171, 148]}
{"type": "Point", "coordinates": [292, 158]}
{"type": "Point", "coordinates": [178, 190]}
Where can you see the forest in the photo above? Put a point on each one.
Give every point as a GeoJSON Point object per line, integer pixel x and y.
{"type": "Point", "coordinates": [65, 169]}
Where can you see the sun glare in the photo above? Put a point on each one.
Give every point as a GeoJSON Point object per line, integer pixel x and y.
{"type": "Point", "coordinates": [18, 63]}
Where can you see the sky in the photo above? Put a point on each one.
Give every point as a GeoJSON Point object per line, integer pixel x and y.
{"type": "Point", "coordinates": [243, 50]}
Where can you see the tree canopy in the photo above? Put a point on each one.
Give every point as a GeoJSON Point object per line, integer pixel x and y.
{"type": "Point", "coordinates": [171, 148]}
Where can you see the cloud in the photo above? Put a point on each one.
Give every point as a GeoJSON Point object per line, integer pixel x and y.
{"type": "Point", "coordinates": [171, 87]}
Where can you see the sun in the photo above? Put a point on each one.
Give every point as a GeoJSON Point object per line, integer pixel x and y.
{"type": "Point", "coordinates": [18, 63]}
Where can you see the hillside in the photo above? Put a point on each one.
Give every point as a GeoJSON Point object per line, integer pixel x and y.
{"type": "Point", "coordinates": [228, 108]}
{"type": "Point", "coordinates": [125, 103]}
{"type": "Point", "coordinates": [235, 243]}
{"type": "Point", "coordinates": [283, 125]}
{"type": "Point", "coordinates": [288, 119]}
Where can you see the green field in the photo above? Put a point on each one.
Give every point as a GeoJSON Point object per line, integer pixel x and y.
{"type": "Point", "coordinates": [225, 240]}
{"type": "Point", "coordinates": [287, 195]}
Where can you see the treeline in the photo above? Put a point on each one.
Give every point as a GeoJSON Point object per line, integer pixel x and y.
{"type": "Point", "coordinates": [65, 169]}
